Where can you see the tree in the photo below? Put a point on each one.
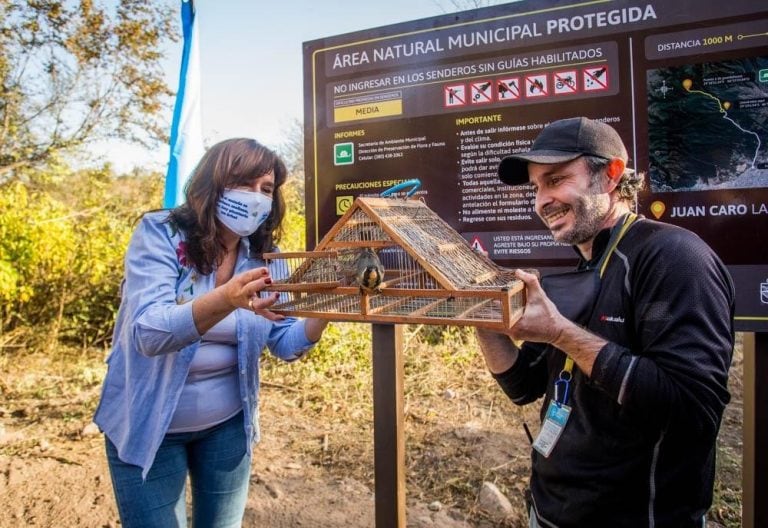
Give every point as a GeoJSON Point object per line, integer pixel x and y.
{"type": "Point", "coordinates": [292, 151]}
{"type": "Point", "coordinates": [292, 147]}
{"type": "Point", "coordinates": [72, 72]}
{"type": "Point", "coordinates": [463, 5]}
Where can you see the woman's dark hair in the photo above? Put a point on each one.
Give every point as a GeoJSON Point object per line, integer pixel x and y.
{"type": "Point", "coordinates": [230, 163]}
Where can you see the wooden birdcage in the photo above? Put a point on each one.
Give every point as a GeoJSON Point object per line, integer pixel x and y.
{"type": "Point", "coordinates": [432, 275]}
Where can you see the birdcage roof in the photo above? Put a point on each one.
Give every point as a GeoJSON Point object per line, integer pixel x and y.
{"type": "Point", "coordinates": [409, 223]}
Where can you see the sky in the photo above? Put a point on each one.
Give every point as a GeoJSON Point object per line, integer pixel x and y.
{"type": "Point", "coordinates": [252, 66]}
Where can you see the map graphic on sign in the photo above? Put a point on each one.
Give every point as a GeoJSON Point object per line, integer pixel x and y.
{"type": "Point", "coordinates": [708, 126]}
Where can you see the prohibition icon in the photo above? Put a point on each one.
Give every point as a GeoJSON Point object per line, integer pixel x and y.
{"type": "Point", "coordinates": [455, 95]}
{"type": "Point", "coordinates": [565, 82]}
{"type": "Point", "coordinates": [508, 89]}
{"type": "Point", "coordinates": [536, 85]}
{"type": "Point", "coordinates": [481, 92]}
{"type": "Point", "coordinates": [595, 78]}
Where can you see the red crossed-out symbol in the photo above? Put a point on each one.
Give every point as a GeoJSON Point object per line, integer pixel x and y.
{"type": "Point", "coordinates": [482, 92]}
{"type": "Point", "coordinates": [455, 95]}
{"type": "Point", "coordinates": [596, 78]}
{"type": "Point", "coordinates": [536, 85]}
{"type": "Point", "coordinates": [508, 89]}
{"type": "Point", "coordinates": [565, 82]}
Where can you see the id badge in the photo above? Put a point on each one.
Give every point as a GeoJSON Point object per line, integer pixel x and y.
{"type": "Point", "coordinates": [552, 428]}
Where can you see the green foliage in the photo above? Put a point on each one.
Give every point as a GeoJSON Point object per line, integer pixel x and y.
{"type": "Point", "coordinates": [294, 224]}
{"type": "Point", "coordinates": [293, 237]}
{"type": "Point", "coordinates": [433, 335]}
{"type": "Point", "coordinates": [33, 244]}
{"type": "Point", "coordinates": [61, 251]}
{"type": "Point", "coordinates": [73, 72]}
{"type": "Point", "coordinates": [344, 343]}
{"type": "Point", "coordinates": [345, 350]}
{"type": "Point", "coordinates": [292, 149]}
{"type": "Point", "coordinates": [336, 374]}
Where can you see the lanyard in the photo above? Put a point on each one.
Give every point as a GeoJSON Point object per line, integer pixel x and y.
{"type": "Point", "coordinates": [563, 382]}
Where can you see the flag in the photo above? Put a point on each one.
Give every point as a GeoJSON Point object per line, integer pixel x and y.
{"type": "Point", "coordinates": [186, 129]}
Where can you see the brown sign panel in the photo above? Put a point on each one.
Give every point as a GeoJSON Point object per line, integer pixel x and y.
{"type": "Point", "coordinates": [444, 99]}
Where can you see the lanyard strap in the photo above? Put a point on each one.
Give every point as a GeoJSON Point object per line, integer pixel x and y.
{"type": "Point", "coordinates": [628, 221]}
{"type": "Point", "coordinates": [568, 367]}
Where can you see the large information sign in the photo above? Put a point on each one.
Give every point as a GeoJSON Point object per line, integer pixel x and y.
{"type": "Point", "coordinates": [444, 99]}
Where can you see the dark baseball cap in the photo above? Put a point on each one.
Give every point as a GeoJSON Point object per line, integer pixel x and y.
{"type": "Point", "coordinates": [562, 141]}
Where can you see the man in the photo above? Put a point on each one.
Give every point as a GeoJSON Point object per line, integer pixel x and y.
{"type": "Point", "coordinates": [635, 381]}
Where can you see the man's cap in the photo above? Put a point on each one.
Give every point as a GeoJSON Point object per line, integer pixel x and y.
{"type": "Point", "coordinates": [562, 141]}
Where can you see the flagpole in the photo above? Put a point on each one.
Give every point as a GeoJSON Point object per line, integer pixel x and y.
{"type": "Point", "coordinates": [186, 143]}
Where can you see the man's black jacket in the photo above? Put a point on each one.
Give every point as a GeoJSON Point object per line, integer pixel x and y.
{"type": "Point", "coordinates": [639, 447]}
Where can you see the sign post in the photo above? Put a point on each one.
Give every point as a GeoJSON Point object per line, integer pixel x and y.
{"type": "Point", "coordinates": [755, 431]}
{"type": "Point", "coordinates": [388, 435]}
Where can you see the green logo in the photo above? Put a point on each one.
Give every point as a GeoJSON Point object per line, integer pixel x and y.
{"type": "Point", "coordinates": [762, 75]}
{"type": "Point", "coordinates": [343, 153]}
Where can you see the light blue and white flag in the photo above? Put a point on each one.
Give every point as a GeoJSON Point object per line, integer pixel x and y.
{"type": "Point", "coordinates": [186, 129]}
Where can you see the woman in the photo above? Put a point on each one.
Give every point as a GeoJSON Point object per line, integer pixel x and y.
{"type": "Point", "coordinates": [181, 392]}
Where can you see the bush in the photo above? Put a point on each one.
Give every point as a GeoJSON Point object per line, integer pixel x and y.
{"type": "Point", "coordinates": [61, 252]}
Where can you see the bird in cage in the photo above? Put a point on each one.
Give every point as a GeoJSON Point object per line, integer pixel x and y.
{"type": "Point", "coordinates": [369, 272]}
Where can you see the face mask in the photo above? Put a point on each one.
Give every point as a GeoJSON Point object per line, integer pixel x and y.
{"type": "Point", "coordinates": [243, 211]}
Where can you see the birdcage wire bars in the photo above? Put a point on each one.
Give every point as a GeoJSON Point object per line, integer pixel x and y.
{"type": "Point", "coordinates": [431, 276]}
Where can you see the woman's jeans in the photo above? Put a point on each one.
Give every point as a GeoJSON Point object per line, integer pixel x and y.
{"type": "Point", "coordinates": [219, 469]}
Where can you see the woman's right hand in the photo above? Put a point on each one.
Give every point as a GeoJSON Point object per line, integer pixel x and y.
{"type": "Point", "coordinates": [243, 290]}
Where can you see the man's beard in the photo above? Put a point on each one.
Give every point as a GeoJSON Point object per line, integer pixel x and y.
{"type": "Point", "coordinates": [589, 213]}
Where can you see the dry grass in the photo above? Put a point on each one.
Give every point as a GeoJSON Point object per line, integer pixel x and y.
{"type": "Point", "coordinates": [460, 429]}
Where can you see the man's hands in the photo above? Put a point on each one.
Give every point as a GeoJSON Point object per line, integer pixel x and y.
{"type": "Point", "coordinates": [541, 321]}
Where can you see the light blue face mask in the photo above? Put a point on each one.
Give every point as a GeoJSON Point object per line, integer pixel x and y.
{"type": "Point", "coordinates": [243, 211]}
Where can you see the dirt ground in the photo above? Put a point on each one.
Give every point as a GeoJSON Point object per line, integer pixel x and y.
{"type": "Point", "coordinates": [314, 467]}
